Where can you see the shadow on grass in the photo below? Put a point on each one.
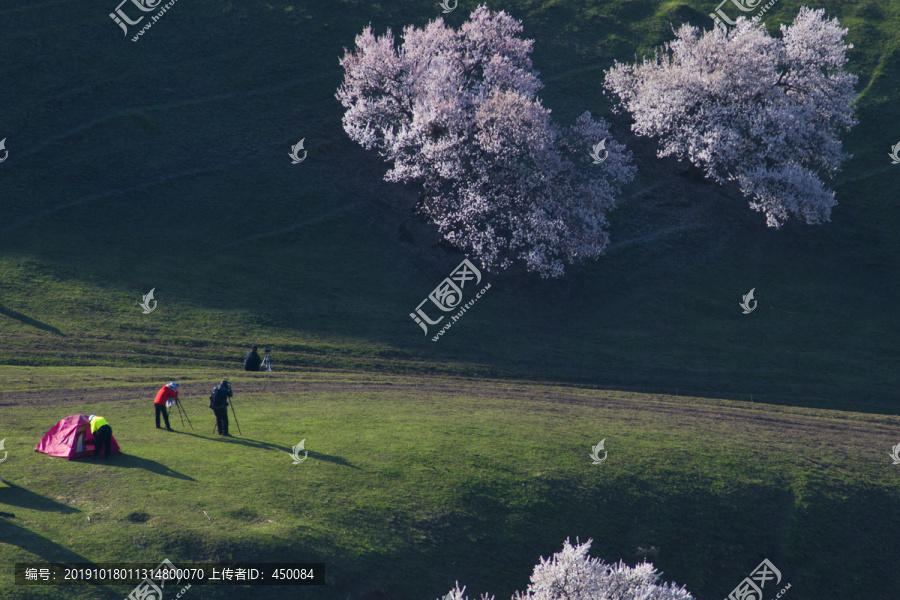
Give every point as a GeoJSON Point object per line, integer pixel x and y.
{"type": "Point", "coordinates": [29, 541]}
{"type": "Point", "coordinates": [495, 533]}
{"type": "Point", "coordinates": [489, 536]}
{"type": "Point", "coordinates": [130, 461]}
{"type": "Point", "coordinates": [242, 441]}
{"type": "Point", "coordinates": [332, 459]}
{"type": "Point", "coordinates": [233, 440]}
{"type": "Point", "coordinates": [18, 496]}
{"type": "Point", "coordinates": [29, 321]}
{"type": "Point", "coordinates": [49, 551]}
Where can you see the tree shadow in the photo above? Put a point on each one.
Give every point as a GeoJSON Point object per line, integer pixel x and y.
{"type": "Point", "coordinates": [19, 496]}
{"type": "Point", "coordinates": [29, 321]}
{"type": "Point", "coordinates": [130, 461]}
{"type": "Point", "coordinates": [49, 551]}
{"type": "Point", "coordinates": [36, 544]}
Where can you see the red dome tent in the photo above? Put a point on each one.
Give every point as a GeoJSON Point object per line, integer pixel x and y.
{"type": "Point", "coordinates": [71, 438]}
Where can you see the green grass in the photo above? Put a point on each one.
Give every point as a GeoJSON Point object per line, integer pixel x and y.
{"type": "Point", "coordinates": [413, 483]}
{"type": "Point", "coordinates": [163, 164]}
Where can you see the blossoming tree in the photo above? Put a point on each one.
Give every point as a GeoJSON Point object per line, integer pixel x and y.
{"type": "Point", "coordinates": [457, 113]}
{"type": "Point", "coordinates": [572, 575]}
{"type": "Point", "coordinates": [746, 107]}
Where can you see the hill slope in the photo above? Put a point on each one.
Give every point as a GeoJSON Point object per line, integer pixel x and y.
{"type": "Point", "coordinates": [163, 164]}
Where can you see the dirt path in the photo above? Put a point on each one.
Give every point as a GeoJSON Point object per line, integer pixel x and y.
{"type": "Point", "coordinates": [193, 390]}
{"type": "Point", "coordinates": [828, 427]}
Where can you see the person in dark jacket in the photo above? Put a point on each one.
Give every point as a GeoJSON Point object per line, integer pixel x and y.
{"type": "Point", "coordinates": [218, 402]}
{"type": "Point", "coordinates": [102, 435]}
{"type": "Point", "coordinates": [252, 360]}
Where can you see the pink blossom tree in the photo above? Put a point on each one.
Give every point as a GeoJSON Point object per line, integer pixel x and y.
{"type": "Point", "coordinates": [572, 575]}
{"type": "Point", "coordinates": [457, 113]}
{"type": "Point", "coordinates": [750, 108]}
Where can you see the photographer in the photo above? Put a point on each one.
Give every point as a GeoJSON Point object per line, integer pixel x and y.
{"type": "Point", "coordinates": [218, 402]}
{"type": "Point", "coordinates": [166, 393]}
{"type": "Point", "coordinates": [252, 360]}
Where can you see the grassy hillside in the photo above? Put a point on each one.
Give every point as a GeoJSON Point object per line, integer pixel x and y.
{"type": "Point", "coordinates": [413, 483]}
{"type": "Point", "coordinates": [163, 164]}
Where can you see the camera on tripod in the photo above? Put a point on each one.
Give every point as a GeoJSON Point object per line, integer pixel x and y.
{"type": "Point", "coordinates": [267, 362]}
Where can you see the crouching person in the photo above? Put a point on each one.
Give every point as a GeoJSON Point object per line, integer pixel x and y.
{"type": "Point", "coordinates": [102, 433]}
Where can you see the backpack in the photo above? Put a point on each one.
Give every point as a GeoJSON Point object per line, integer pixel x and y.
{"type": "Point", "coordinates": [214, 398]}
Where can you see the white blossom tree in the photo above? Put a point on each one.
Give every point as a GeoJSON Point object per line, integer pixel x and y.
{"type": "Point", "coordinates": [457, 113]}
{"type": "Point", "coordinates": [746, 107]}
{"type": "Point", "coordinates": [572, 575]}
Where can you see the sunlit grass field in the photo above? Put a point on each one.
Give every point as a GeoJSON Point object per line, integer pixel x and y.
{"type": "Point", "coordinates": [414, 482]}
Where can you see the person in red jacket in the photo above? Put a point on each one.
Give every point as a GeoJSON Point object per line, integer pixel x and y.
{"type": "Point", "coordinates": [165, 393]}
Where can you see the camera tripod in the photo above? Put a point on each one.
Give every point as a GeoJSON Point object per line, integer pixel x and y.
{"type": "Point", "coordinates": [233, 414]}
{"type": "Point", "coordinates": [267, 362]}
{"type": "Point", "coordinates": [183, 414]}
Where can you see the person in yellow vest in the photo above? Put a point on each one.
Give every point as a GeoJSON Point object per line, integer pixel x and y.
{"type": "Point", "coordinates": [102, 435]}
